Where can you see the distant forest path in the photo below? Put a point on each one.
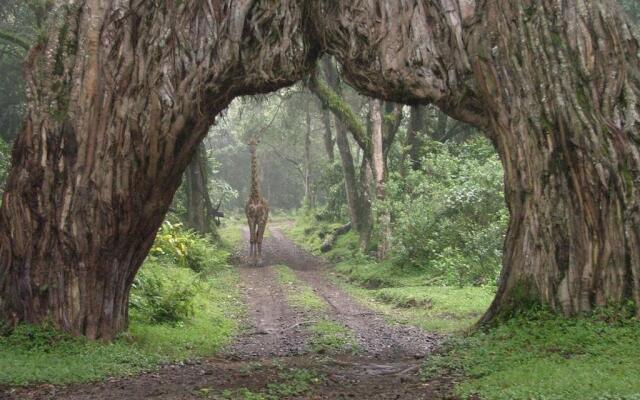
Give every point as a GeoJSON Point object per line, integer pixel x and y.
{"type": "Point", "coordinates": [282, 336]}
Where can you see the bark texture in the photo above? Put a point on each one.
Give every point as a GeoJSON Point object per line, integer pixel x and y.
{"type": "Point", "coordinates": [122, 92]}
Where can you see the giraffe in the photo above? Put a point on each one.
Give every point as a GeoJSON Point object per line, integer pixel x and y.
{"type": "Point", "coordinates": [257, 210]}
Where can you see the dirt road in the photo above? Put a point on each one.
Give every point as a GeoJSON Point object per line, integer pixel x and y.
{"type": "Point", "coordinates": [276, 339]}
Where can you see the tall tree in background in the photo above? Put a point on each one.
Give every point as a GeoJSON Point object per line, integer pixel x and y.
{"type": "Point", "coordinates": [198, 203]}
{"type": "Point", "coordinates": [116, 98]}
{"type": "Point", "coordinates": [20, 23]}
{"type": "Point", "coordinates": [346, 121]}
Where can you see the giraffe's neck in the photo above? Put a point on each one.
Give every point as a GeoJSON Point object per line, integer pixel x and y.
{"type": "Point", "coordinates": [255, 189]}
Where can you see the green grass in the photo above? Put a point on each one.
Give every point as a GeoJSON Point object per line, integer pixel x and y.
{"type": "Point", "coordinates": [230, 232]}
{"type": "Point", "coordinates": [332, 337]}
{"type": "Point", "coordinates": [432, 308]}
{"type": "Point", "coordinates": [327, 336]}
{"type": "Point", "coordinates": [548, 357]}
{"type": "Point", "coordinates": [213, 324]}
{"type": "Point", "coordinates": [308, 233]}
{"type": "Point", "coordinates": [299, 295]}
{"type": "Point", "coordinates": [292, 382]}
{"type": "Point", "coordinates": [35, 354]}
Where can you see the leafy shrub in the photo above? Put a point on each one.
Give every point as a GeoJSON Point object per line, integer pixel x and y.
{"type": "Point", "coordinates": [36, 338]}
{"type": "Point", "coordinates": [163, 294]}
{"type": "Point", "coordinates": [449, 218]}
{"type": "Point", "coordinates": [185, 248]}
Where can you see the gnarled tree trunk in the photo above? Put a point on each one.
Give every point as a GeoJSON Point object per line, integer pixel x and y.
{"type": "Point", "coordinates": [122, 92]}
{"type": "Point", "coordinates": [119, 97]}
{"type": "Point", "coordinates": [565, 122]}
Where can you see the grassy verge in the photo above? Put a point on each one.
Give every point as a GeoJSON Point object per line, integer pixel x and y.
{"type": "Point", "coordinates": [546, 357]}
{"type": "Point", "coordinates": [184, 304]}
{"type": "Point", "coordinates": [327, 336]}
{"type": "Point", "coordinates": [432, 308]}
{"type": "Point", "coordinates": [299, 295]}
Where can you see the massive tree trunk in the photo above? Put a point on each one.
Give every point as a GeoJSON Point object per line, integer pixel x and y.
{"type": "Point", "coordinates": [565, 122]}
{"type": "Point", "coordinates": [119, 97]}
{"type": "Point", "coordinates": [122, 92]}
{"type": "Point", "coordinates": [556, 88]}
{"type": "Point", "coordinates": [199, 208]}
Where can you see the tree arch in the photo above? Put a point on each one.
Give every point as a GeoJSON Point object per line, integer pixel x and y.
{"type": "Point", "coordinates": [123, 91]}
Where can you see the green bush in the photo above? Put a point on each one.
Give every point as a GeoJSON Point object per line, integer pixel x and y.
{"type": "Point", "coordinates": [449, 218]}
{"type": "Point", "coordinates": [162, 294]}
{"type": "Point", "coordinates": [184, 248]}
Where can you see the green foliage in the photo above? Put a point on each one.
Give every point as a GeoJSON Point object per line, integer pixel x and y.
{"type": "Point", "coordinates": [292, 383]}
{"type": "Point", "coordinates": [40, 354]}
{"type": "Point", "coordinates": [449, 218]}
{"type": "Point", "coordinates": [544, 356]}
{"type": "Point", "coordinates": [163, 294]}
{"type": "Point", "coordinates": [332, 337]}
{"type": "Point", "coordinates": [187, 249]}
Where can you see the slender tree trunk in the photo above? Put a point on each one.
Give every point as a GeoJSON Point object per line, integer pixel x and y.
{"type": "Point", "coordinates": [358, 202]}
{"type": "Point", "coordinates": [358, 208]}
{"type": "Point", "coordinates": [417, 127]}
{"type": "Point", "coordinates": [329, 142]}
{"type": "Point", "coordinates": [379, 174]}
{"type": "Point", "coordinates": [440, 132]}
{"type": "Point", "coordinates": [199, 206]}
{"type": "Point", "coordinates": [308, 200]}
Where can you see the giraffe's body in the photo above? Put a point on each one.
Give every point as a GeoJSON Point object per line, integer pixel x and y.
{"type": "Point", "coordinates": [257, 210]}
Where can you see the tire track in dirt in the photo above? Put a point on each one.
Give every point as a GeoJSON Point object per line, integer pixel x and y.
{"type": "Point", "coordinates": [377, 337]}
{"type": "Point", "coordinates": [273, 327]}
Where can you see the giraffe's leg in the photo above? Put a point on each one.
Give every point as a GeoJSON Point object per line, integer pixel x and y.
{"type": "Point", "coordinates": [252, 238]}
{"type": "Point", "coordinates": [255, 244]}
{"type": "Point", "coordinates": [260, 236]}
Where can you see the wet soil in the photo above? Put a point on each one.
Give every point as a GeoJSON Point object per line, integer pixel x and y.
{"type": "Point", "coordinates": [274, 339]}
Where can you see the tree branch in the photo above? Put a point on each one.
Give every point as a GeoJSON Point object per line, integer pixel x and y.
{"type": "Point", "coordinates": [341, 110]}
